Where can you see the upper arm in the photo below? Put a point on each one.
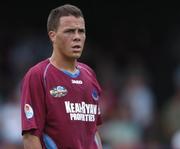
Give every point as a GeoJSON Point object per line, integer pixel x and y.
{"type": "Point", "coordinates": [98, 140]}
{"type": "Point", "coordinates": [31, 141]}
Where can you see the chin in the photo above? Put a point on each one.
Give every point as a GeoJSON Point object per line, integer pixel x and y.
{"type": "Point", "coordinates": [76, 56]}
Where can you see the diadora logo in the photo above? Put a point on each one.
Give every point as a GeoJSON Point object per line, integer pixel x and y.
{"type": "Point", "coordinates": [77, 81]}
{"type": "Point", "coordinates": [58, 91]}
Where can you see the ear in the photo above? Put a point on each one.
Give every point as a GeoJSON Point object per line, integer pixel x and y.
{"type": "Point", "coordinates": [52, 35]}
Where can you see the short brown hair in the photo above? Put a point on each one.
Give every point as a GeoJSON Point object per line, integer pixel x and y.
{"type": "Point", "coordinates": [57, 13]}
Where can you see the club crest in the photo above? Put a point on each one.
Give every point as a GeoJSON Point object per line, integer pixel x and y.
{"type": "Point", "coordinates": [95, 94]}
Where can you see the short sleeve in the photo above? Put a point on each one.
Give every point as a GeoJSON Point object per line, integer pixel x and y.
{"type": "Point", "coordinates": [32, 103]}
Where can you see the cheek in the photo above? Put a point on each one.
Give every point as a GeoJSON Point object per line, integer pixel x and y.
{"type": "Point", "coordinates": [83, 41]}
{"type": "Point", "coordinates": [84, 38]}
{"type": "Point", "coordinates": [66, 42]}
{"type": "Point", "coordinates": [61, 41]}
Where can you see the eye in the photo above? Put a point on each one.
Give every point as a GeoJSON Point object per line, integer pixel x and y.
{"type": "Point", "coordinates": [81, 30]}
{"type": "Point", "coordinates": [69, 31]}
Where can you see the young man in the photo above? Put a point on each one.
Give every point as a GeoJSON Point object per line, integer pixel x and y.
{"type": "Point", "coordinates": [59, 96]}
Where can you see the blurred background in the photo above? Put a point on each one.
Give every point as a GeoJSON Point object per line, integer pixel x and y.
{"type": "Point", "coordinates": [134, 49]}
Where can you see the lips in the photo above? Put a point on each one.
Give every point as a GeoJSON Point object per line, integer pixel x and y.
{"type": "Point", "coordinates": [76, 47]}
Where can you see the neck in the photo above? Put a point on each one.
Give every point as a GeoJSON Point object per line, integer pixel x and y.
{"type": "Point", "coordinates": [63, 63]}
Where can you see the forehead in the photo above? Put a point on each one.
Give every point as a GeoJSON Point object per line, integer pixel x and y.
{"type": "Point", "coordinates": [71, 21]}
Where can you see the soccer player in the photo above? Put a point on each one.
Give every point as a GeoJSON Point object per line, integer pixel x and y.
{"type": "Point", "coordinates": [59, 95]}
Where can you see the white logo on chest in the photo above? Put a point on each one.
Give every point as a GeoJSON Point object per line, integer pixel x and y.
{"type": "Point", "coordinates": [77, 81]}
{"type": "Point", "coordinates": [81, 111]}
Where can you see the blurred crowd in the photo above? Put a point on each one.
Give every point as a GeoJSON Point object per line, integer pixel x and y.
{"type": "Point", "coordinates": [131, 116]}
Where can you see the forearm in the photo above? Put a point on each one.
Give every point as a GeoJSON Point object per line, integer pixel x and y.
{"type": "Point", "coordinates": [98, 141]}
{"type": "Point", "coordinates": [31, 142]}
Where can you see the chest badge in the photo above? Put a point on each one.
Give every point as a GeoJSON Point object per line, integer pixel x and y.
{"type": "Point", "coordinates": [58, 91]}
{"type": "Point", "coordinates": [95, 95]}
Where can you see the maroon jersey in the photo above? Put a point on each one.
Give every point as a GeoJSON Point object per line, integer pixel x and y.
{"type": "Point", "coordinates": [61, 108]}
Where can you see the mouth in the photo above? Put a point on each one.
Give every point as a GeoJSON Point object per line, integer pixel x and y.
{"type": "Point", "coordinates": [76, 48]}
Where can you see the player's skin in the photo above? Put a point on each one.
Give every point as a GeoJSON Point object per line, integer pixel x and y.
{"type": "Point", "coordinates": [31, 142]}
{"type": "Point", "coordinates": [68, 43]}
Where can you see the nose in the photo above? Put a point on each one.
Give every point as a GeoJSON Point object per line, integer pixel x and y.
{"type": "Point", "coordinates": [77, 36]}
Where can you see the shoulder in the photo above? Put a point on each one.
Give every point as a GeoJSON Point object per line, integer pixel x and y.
{"type": "Point", "coordinates": [85, 68]}
{"type": "Point", "coordinates": [38, 69]}
{"type": "Point", "coordinates": [90, 73]}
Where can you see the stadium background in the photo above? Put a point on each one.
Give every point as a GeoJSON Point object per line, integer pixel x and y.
{"type": "Point", "coordinates": [133, 48]}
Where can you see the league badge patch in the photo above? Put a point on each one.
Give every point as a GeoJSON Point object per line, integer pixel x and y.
{"type": "Point", "coordinates": [95, 95]}
{"type": "Point", "coordinates": [28, 111]}
{"type": "Point", "coordinates": [58, 91]}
